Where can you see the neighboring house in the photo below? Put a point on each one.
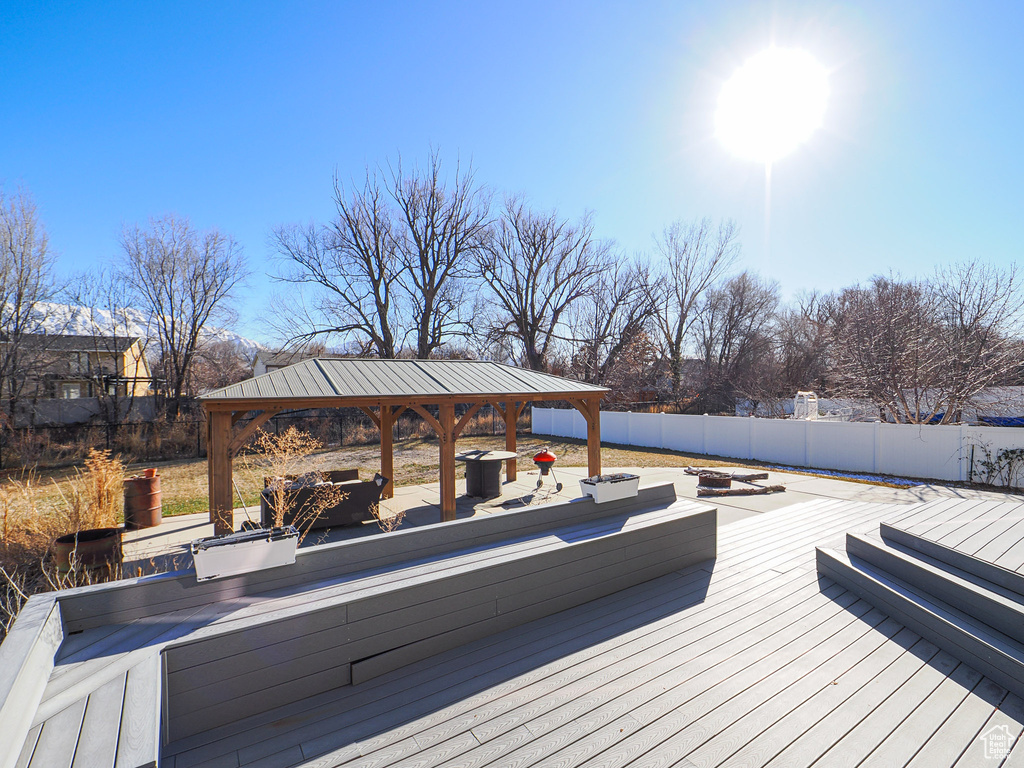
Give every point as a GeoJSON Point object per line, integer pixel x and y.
{"type": "Point", "coordinates": [267, 361]}
{"type": "Point", "coordinates": [71, 367]}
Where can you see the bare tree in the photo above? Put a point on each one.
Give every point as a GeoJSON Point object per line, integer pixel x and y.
{"type": "Point", "coordinates": [389, 271]}
{"type": "Point", "coordinates": [980, 312]}
{"type": "Point", "coordinates": [614, 317]}
{"type": "Point", "coordinates": [696, 255]}
{"type": "Point", "coordinates": [735, 330]}
{"type": "Point", "coordinates": [445, 227]}
{"type": "Point", "coordinates": [185, 279]}
{"type": "Point", "coordinates": [26, 281]}
{"type": "Point", "coordinates": [887, 348]}
{"type": "Point", "coordinates": [356, 264]}
{"type": "Point", "coordinates": [803, 346]}
{"type": "Point", "coordinates": [218, 364]}
{"type": "Point", "coordinates": [536, 267]}
{"type": "Point", "coordinates": [105, 300]}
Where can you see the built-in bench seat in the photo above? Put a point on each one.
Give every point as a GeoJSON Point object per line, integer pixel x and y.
{"type": "Point", "coordinates": [218, 651]}
{"type": "Point", "coordinates": [373, 624]}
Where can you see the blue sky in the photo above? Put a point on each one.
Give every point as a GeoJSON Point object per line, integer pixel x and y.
{"type": "Point", "coordinates": [237, 115]}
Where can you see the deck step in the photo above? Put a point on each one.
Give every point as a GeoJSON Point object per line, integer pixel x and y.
{"type": "Point", "coordinates": [991, 572]}
{"type": "Point", "coordinates": [974, 642]}
{"type": "Point", "coordinates": [983, 601]}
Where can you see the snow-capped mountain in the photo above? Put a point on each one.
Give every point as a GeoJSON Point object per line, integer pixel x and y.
{"type": "Point", "coordinates": [84, 321]}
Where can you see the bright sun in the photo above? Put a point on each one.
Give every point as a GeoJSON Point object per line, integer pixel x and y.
{"type": "Point", "coordinates": [772, 104]}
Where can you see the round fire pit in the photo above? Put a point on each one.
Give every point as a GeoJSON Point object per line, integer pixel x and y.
{"type": "Point", "coordinates": [714, 480]}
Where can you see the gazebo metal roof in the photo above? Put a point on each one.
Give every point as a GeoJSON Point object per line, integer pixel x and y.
{"type": "Point", "coordinates": [383, 389]}
{"type": "Point", "coordinates": [359, 379]}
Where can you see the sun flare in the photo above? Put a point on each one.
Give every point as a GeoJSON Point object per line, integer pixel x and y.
{"type": "Point", "coordinates": [772, 104]}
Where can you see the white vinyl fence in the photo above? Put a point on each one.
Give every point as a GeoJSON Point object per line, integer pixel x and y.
{"type": "Point", "coordinates": [904, 450]}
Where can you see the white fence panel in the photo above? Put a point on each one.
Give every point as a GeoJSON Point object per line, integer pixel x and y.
{"type": "Point", "coordinates": [912, 450]}
{"type": "Point", "coordinates": [778, 440]}
{"type": "Point", "coordinates": [644, 429]}
{"type": "Point", "coordinates": [906, 450]}
{"type": "Point", "coordinates": [615, 428]}
{"type": "Point", "coordinates": [728, 437]}
{"type": "Point", "coordinates": [846, 446]}
{"type": "Point", "coordinates": [683, 433]}
{"type": "Point", "coordinates": [541, 420]}
{"type": "Point", "coordinates": [565, 422]}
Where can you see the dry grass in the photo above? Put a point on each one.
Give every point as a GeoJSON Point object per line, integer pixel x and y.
{"type": "Point", "coordinates": [36, 510]}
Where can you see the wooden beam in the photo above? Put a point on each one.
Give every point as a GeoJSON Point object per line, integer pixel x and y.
{"type": "Point", "coordinates": [447, 442]}
{"type": "Point", "coordinates": [373, 416]}
{"type": "Point", "coordinates": [593, 436]}
{"type": "Point", "coordinates": [466, 417]}
{"type": "Point", "coordinates": [239, 441]}
{"type": "Point", "coordinates": [237, 416]}
{"type": "Point", "coordinates": [581, 406]}
{"type": "Point", "coordinates": [509, 414]}
{"type": "Point", "coordinates": [429, 418]}
{"type": "Point", "coordinates": [218, 463]}
{"type": "Point", "coordinates": [387, 450]}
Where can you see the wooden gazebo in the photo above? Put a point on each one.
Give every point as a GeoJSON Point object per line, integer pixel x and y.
{"type": "Point", "coordinates": [383, 389]}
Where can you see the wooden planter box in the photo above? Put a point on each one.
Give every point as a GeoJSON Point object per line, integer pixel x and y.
{"type": "Point", "coordinates": [604, 488]}
{"type": "Point", "coordinates": [234, 553]}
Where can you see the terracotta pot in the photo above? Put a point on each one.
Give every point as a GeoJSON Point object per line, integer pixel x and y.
{"type": "Point", "coordinates": [143, 505]}
{"type": "Point", "coordinates": [151, 472]}
{"type": "Point", "coordinates": [94, 550]}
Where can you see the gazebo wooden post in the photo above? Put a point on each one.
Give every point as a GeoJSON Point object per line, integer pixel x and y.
{"type": "Point", "coordinates": [593, 414]}
{"type": "Point", "coordinates": [511, 421]}
{"type": "Point", "coordinates": [446, 436]}
{"type": "Point", "coordinates": [218, 446]}
{"type": "Point", "coordinates": [387, 450]}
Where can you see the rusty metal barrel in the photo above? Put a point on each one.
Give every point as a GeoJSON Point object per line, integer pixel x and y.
{"type": "Point", "coordinates": [143, 506]}
{"type": "Point", "coordinates": [95, 550]}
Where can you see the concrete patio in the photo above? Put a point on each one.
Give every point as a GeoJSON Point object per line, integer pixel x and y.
{"type": "Point", "coordinates": [166, 546]}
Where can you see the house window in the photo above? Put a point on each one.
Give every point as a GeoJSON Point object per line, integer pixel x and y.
{"type": "Point", "coordinates": [79, 362]}
{"type": "Point", "coordinates": [70, 391]}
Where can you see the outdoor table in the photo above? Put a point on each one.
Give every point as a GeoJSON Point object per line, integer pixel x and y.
{"type": "Point", "coordinates": [483, 472]}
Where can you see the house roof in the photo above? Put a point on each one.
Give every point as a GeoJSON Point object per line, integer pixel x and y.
{"type": "Point", "coordinates": [71, 343]}
{"type": "Point", "coordinates": [284, 357]}
{"type": "Point", "coordinates": [369, 379]}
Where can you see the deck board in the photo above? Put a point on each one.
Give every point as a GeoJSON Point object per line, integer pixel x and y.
{"type": "Point", "coordinates": [749, 660]}
{"type": "Point", "coordinates": [678, 683]}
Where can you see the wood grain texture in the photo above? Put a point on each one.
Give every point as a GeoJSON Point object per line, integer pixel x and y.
{"type": "Point", "coordinates": [138, 745]}
{"type": "Point", "coordinates": [26, 661]}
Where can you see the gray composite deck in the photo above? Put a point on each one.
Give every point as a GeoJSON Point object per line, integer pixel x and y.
{"type": "Point", "coordinates": [100, 675]}
{"type": "Point", "coordinates": [753, 660]}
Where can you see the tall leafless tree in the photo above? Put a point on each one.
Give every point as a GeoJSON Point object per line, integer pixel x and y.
{"type": "Point", "coordinates": [445, 228]}
{"type": "Point", "coordinates": [536, 266]}
{"type": "Point", "coordinates": [389, 271]}
{"type": "Point", "coordinates": [26, 281]}
{"type": "Point", "coordinates": [614, 317]}
{"type": "Point", "coordinates": [695, 255]}
{"type": "Point", "coordinates": [980, 312]}
{"type": "Point", "coordinates": [735, 330]}
{"type": "Point", "coordinates": [887, 348]}
{"type": "Point", "coordinates": [355, 263]}
{"type": "Point", "coordinates": [185, 279]}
